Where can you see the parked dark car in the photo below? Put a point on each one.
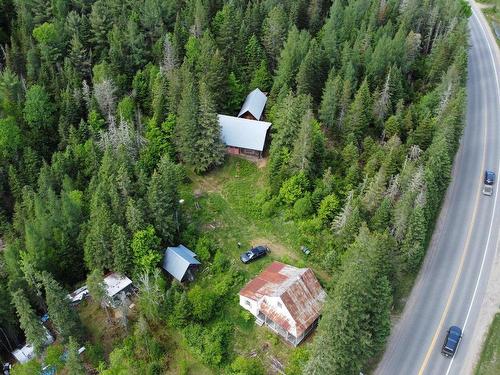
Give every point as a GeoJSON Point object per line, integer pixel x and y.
{"type": "Point", "coordinates": [254, 253]}
{"type": "Point", "coordinates": [489, 177]}
{"type": "Point", "coordinates": [451, 341]}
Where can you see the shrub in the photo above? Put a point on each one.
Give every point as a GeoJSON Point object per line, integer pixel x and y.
{"type": "Point", "coordinates": [204, 248]}
{"type": "Point", "coordinates": [202, 302]}
{"type": "Point", "coordinates": [303, 207]}
{"type": "Point", "coordinates": [293, 188]}
{"type": "Point", "coordinates": [246, 366]}
{"type": "Point", "coordinates": [269, 208]}
{"type": "Point", "coordinates": [94, 353]}
{"type": "Point", "coordinates": [210, 343]}
{"type": "Point", "coordinates": [328, 208]}
{"type": "Point", "coordinates": [53, 356]}
{"type": "Point", "coordinates": [221, 262]}
{"type": "Point", "coordinates": [297, 361]}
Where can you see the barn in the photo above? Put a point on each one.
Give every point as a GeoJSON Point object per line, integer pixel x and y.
{"type": "Point", "coordinates": [286, 299]}
{"type": "Point", "coordinates": [243, 136]}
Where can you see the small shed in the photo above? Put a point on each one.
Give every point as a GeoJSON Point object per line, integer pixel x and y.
{"type": "Point", "coordinates": [27, 352]}
{"type": "Point", "coordinates": [116, 285]}
{"type": "Point", "coordinates": [180, 262]}
{"type": "Point", "coordinates": [254, 104]}
{"type": "Point", "coordinates": [243, 136]}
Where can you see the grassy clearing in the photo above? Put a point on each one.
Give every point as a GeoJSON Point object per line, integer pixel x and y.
{"type": "Point", "coordinates": [225, 205]}
{"type": "Point", "coordinates": [230, 212]}
{"type": "Point", "coordinates": [489, 363]}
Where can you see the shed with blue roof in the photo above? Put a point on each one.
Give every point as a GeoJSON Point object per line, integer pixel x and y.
{"type": "Point", "coordinates": [180, 262]}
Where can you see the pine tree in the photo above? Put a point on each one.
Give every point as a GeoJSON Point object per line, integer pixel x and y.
{"type": "Point", "coordinates": [302, 154]}
{"type": "Point", "coordinates": [209, 146]}
{"type": "Point", "coordinates": [122, 253]}
{"type": "Point", "coordinates": [30, 324]}
{"type": "Point", "coordinates": [356, 320]}
{"type": "Point", "coordinates": [312, 72]}
{"type": "Point", "coordinates": [360, 112]}
{"type": "Point", "coordinates": [274, 30]}
{"type": "Point", "coordinates": [163, 199]}
{"type": "Point", "coordinates": [95, 285]}
{"type": "Point", "coordinates": [293, 53]}
{"type": "Point", "coordinates": [65, 319]}
{"type": "Point", "coordinates": [187, 119]}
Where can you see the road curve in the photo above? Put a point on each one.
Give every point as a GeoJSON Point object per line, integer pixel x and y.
{"type": "Point", "coordinates": [452, 282]}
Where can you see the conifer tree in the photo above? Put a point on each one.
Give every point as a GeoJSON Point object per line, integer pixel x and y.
{"type": "Point", "coordinates": [122, 254]}
{"type": "Point", "coordinates": [330, 102]}
{"type": "Point", "coordinates": [360, 112]}
{"type": "Point", "coordinates": [163, 199]}
{"type": "Point", "coordinates": [74, 365]}
{"type": "Point", "coordinates": [312, 72]}
{"type": "Point", "coordinates": [303, 150]}
{"type": "Point", "coordinates": [356, 319]}
{"type": "Point", "coordinates": [209, 146]}
{"type": "Point", "coordinates": [30, 324]}
{"type": "Point", "coordinates": [187, 119]}
{"type": "Point", "coordinates": [274, 30]}
{"type": "Point", "coordinates": [293, 53]}
{"type": "Point", "coordinates": [65, 319]}
{"type": "Point", "coordinates": [95, 285]}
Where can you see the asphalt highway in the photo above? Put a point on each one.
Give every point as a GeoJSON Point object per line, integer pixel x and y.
{"type": "Point", "coordinates": [452, 283]}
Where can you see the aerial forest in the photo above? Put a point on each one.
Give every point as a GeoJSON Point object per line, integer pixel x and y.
{"type": "Point", "coordinates": [108, 113]}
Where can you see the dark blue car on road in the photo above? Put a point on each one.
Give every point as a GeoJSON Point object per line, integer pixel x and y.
{"type": "Point", "coordinates": [451, 341]}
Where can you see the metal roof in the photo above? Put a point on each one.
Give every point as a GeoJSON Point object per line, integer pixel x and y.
{"type": "Point", "coordinates": [115, 283]}
{"type": "Point", "coordinates": [177, 261]}
{"type": "Point", "coordinates": [254, 104]}
{"type": "Point", "coordinates": [298, 289]}
{"type": "Point", "coordinates": [243, 133]}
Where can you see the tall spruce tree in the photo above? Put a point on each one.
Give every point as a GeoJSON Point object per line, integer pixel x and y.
{"type": "Point", "coordinates": [360, 113]}
{"type": "Point", "coordinates": [187, 119]}
{"type": "Point", "coordinates": [30, 324]}
{"type": "Point", "coordinates": [65, 318]}
{"type": "Point", "coordinates": [209, 146]}
{"type": "Point", "coordinates": [356, 319]}
{"type": "Point", "coordinates": [163, 200]}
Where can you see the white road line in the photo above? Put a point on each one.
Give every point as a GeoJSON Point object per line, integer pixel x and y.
{"type": "Point", "coordinates": [496, 190]}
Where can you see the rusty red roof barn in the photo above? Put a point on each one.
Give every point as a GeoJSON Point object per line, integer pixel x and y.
{"type": "Point", "coordinates": [285, 298]}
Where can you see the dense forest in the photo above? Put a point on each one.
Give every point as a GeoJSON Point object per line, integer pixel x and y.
{"type": "Point", "coordinates": [108, 107]}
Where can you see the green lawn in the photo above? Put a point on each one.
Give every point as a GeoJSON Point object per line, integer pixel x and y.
{"type": "Point", "coordinates": [489, 363]}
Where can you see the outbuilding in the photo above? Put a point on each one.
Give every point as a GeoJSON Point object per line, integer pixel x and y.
{"type": "Point", "coordinates": [253, 107]}
{"type": "Point", "coordinates": [116, 286]}
{"type": "Point", "coordinates": [180, 262]}
{"type": "Point", "coordinates": [286, 299]}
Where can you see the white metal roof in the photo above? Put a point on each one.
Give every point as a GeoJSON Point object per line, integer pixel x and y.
{"type": "Point", "coordinates": [240, 132]}
{"type": "Point", "coordinates": [115, 283]}
{"type": "Point", "coordinates": [177, 260]}
{"type": "Point", "coordinates": [24, 354]}
{"type": "Point", "coordinates": [254, 104]}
